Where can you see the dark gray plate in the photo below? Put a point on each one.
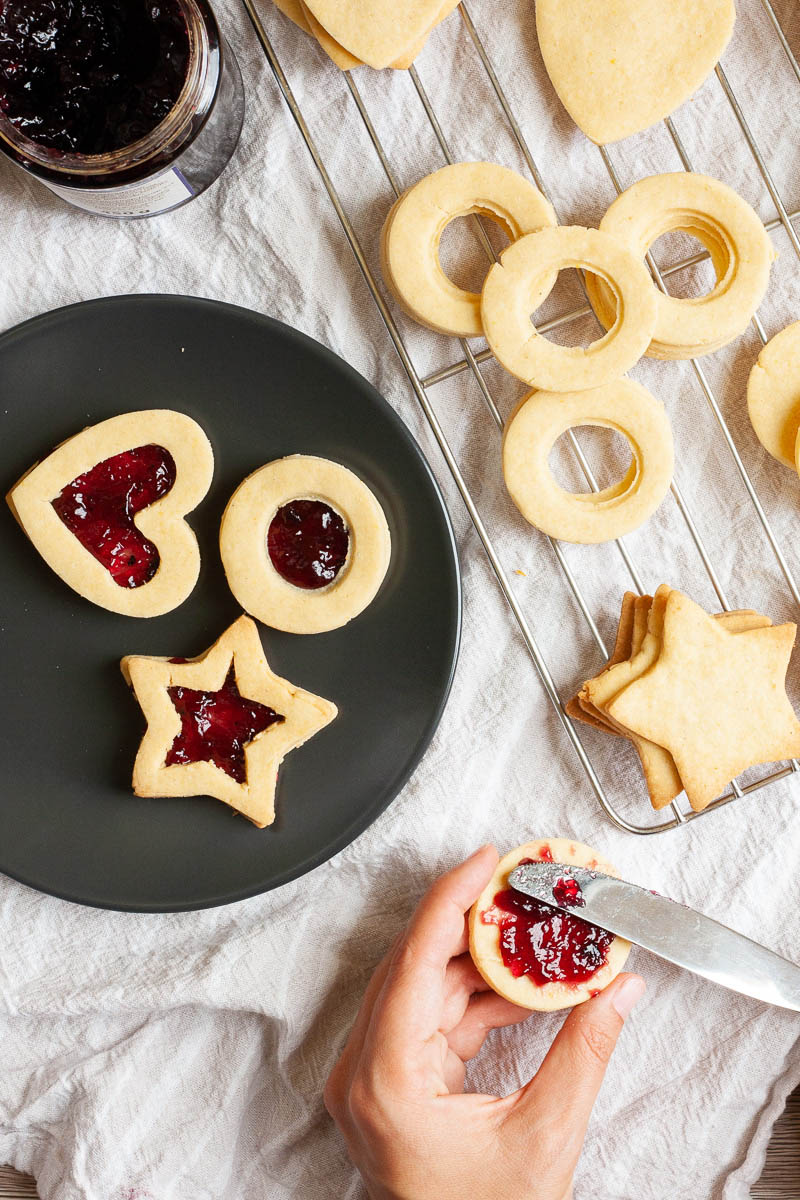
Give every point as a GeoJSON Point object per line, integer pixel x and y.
{"type": "Point", "coordinates": [70, 824]}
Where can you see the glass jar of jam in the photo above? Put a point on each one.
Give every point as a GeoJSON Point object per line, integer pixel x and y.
{"type": "Point", "coordinates": [126, 108]}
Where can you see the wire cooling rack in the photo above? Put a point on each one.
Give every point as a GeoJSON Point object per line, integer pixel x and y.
{"type": "Point", "coordinates": [471, 362]}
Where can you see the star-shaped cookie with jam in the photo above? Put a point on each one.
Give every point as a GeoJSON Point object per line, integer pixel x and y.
{"type": "Point", "coordinates": [716, 700]}
{"type": "Point", "coordinates": [220, 724]}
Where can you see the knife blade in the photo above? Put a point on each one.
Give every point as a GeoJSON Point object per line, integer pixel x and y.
{"type": "Point", "coordinates": [679, 934]}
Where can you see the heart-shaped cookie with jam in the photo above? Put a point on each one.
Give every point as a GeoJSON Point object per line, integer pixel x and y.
{"type": "Point", "coordinates": [378, 32]}
{"type": "Point", "coordinates": [619, 66]}
{"type": "Point", "coordinates": [106, 510]}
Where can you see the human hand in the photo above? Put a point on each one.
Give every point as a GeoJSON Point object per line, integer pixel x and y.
{"type": "Point", "coordinates": [397, 1094]}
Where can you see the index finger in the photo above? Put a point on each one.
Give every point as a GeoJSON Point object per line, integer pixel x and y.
{"type": "Point", "coordinates": [410, 1005]}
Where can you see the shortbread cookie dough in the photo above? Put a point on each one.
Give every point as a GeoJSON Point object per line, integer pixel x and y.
{"type": "Point", "coordinates": [543, 959]}
{"type": "Point", "coordinates": [414, 227]}
{"type": "Point", "coordinates": [539, 421]}
{"type": "Point", "coordinates": [773, 395]}
{"type": "Point", "coordinates": [517, 285]}
{"type": "Point", "coordinates": [378, 32]}
{"type": "Point", "coordinates": [740, 249]}
{"type": "Point", "coordinates": [106, 510]}
{"type": "Point", "coordinates": [220, 724]}
{"type": "Point", "coordinates": [618, 66]}
{"type": "Point", "coordinates": [305, 544]}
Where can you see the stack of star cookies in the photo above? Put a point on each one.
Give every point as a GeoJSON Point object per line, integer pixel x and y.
{"type": "Point", "coordinates": [378, 33]}
{"type": "Point", "coordinates": [701, 697]}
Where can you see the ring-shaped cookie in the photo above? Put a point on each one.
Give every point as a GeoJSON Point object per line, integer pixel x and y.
{"type": "Point", "coordinates": [517, 285]}
{"type": "Point", "coordinates": [413, 229]}
{"type": "Point", "coordinates": [588, 517]}
{"type": "Point", "coordinates": [733, 234]}
{"type": "Point", "coordinates": [484, 933]}
{"type": "Point", "coordinates": [253, 578]}
{"type": "Point", "coordinates": [773, 395]}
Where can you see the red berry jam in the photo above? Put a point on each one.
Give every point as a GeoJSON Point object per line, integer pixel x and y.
{"type": "Point", "coordinates": [544, 943]}
{"type": "Point", "coordinates": [308, 543]}
{"type": "Point", "coordinates": [99, 508]}
{"type": "Point", "coordinates": [567, 892]}
{"type": "Point", "coordinates": [217, 726]}
{"type": "Point", "coordinates": [90, 76]}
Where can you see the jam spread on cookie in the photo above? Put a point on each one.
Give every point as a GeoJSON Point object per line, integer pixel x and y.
{"type": "Point", "coordinates": [544, 943]}
{"type": "Point", "coordinates": [217, 726]}
{"type": "Point", "coordinates": [308, 543]}
{"type": "Point", "coordinates": [99, 508]}
{"type": "Point", "coordinates": [90, 76]}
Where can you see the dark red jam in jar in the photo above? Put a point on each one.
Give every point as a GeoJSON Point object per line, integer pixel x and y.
{"type": "Point", "coordinates": [99, 507]}
{"type": "Point", "coordinates": [308, 543]}
{"type": "Point", "coordinates": [123, 107]}
{"type": "Point", "coordinates": [544, 943]}
{"type": "Point", "coordinates": [217, 727]}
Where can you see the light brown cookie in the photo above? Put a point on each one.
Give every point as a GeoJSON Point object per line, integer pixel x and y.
{"type": "Point", "coordinates": [621, 651]}
{"type": "Point", "coordinates": [485, 931]}
{"type": "Point", "coordinates": [220, 724]}
{"type": "Point", "coordinates": [732, 232]}
{"type": "Point", "coordinates": [715, 700]}
{"type": "Point", "coordinates": [413, 230]}
{"type": "Point", "coordinates": [518, 284]}
{"type": "Point", "coordinates": [265, 590]}
{"type": "Point", "coordinates": [166, 452]}
{"type": "Point", "coordinates": [538, 422]}
{"type": "Point", "coordinates": [378, 32]}
{"type": "Point", "coordinates": [618, 66]}
{"type": "Point", "coordinates": [773, 395]}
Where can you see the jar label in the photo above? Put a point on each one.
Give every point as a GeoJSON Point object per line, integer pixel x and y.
{"type": "Point", "coordinates": [143, 199]}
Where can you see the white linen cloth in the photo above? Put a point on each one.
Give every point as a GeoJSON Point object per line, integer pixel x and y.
{"type": "Point", "coordinates": [160, 1057]}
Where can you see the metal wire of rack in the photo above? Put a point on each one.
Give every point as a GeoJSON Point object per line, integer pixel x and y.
{"type": "Point", "coordinates": [471, 362]}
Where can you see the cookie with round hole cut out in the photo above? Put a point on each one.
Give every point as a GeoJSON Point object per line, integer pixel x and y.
{"type": "Point", "coordinates": [107, 510]}
{"type": "Point", "coordinates": [588, 517]}
{"type": "Point", "coordinates": [305, 544]}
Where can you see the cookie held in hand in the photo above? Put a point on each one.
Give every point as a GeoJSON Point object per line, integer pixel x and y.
{"type": "Point", "coordinates": [540, 957]}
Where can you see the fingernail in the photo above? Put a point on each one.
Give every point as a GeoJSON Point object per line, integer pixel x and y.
{"type": "Point", "coordinates": [627, 994]}
{"type": "Point", "coordinates": [475, 853]}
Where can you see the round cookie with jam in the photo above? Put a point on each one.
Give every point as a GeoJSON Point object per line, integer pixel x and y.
{"type": "Point", "coordinates": [305, 544]}
{"type": "Point", "coordinates": [540, 957]}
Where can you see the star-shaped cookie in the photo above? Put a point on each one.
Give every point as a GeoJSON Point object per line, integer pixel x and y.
{"type": "Point", "coordinates": [715, 699]}
{"type": "Point", "coordinates": [220, 724]}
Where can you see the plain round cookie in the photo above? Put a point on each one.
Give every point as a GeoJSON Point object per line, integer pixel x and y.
{"type": "Point", "coordinates": [731, 231]}
{"type": "Point", "coordinates": [773, 395]}
{"type": "Point", "coordinates": [588, 517]}
{"type": "Point", "coordinates": [252, 578]}
{"type": "Point", "coordinates": [415, 224]}
{"type": "Point", "coordinates": [521, 280]}
{"type": "Point", "coordinates": [484, 938]}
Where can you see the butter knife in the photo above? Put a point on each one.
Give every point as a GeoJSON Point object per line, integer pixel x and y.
{"type": "Point", "coordinates": [674, 932]}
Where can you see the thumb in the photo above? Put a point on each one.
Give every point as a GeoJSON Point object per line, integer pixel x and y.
{"type": "Point", "coordinates": [565, 1087]}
